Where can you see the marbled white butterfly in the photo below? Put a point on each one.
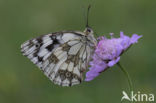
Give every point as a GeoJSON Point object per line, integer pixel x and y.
{"type": "Point", "coordinates": [62, 56]}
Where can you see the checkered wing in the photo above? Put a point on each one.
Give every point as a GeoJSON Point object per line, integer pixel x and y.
{"type": "Point", "coordinates": [62, 56]}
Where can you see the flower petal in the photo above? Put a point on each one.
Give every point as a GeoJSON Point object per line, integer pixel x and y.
{"type": "Point", "coordinates": [91, 75]}
{"type": "Point", "coordinates": [113, 62]}
{"type": "Point", "coordinates": [134, 38]}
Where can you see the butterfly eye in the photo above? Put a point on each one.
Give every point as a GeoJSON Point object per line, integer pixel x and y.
{"type": "Point", "coordinates": [89, 30]}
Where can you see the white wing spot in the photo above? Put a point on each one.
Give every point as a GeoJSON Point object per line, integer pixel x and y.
{"type": "Point", "coordinates": [45, 64]}
{"type": "Point", "coordinates": [25, 48]}
{"type": "Point", "coordinates": [47, 43]}
{"type": "Point", "coordinates": [49, 69]}
{"type": "Point", "coordinates": [88, 53]}
{"type": "Point", "coordinates": [46, 56]}
{"type": "Point", "coordinates": [84, 55]}
{"type": "Point", "coordinates": [52, 76]}
{"type": "Point", "coordinates": [64, 66]}
{"type": "Point", "coordinates": [34, 41]}
{"type": "Point", "coordinates": [64, 54]}
{"type": "Point", "coordinates": [60, 63]}
{"type": "Point", "coordinates": [70, 66]}
{"type": "Point", "coordinates": [30, 50]}
{"type": "Point", "coordinates": [45, 39]}
{"type": "Point", "coordinates": [74, 49]}
{"type": "Point", "coordinates": [42, 52]}
{"type": "Point", "coordinates": [65, 82]}
{"type": "Point", "coordinates": [25, 44]}
{"type": "Point", "coordinates": [58, 52]}
{"type": "Point", "coordinates": [69, 36]}
{"type": "Point", "coordinates": [75, 81]}
{"type": "Point", "coordinates": [73, 42]}
{"type": "Point", "coordinates": [82, 51]}
{"type": "Point", "coordinates": [34, 60]}
{"type": "Point", "coordinates": [57, 80]}
{"type": "Point", "coordinates": [76, 71]}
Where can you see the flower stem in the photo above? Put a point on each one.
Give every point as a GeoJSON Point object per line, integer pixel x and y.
{"type": "Point", "coordinates": [127, 76]}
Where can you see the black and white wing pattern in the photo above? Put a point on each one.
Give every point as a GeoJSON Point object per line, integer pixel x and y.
{"type": "Point", "coordinates": [62, 56]}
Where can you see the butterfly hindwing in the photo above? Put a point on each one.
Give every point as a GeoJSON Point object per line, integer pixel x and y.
{"type": "Point", "coordinates": [67, 69]}
{"type": "Point", "coordinates": [63, 56]}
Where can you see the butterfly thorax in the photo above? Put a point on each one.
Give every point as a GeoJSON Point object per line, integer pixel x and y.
{"type": "Point", "coordinates": [90, 36]}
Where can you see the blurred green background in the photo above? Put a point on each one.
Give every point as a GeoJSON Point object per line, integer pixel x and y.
{"type": "Point", "coordinates": [22, 82]}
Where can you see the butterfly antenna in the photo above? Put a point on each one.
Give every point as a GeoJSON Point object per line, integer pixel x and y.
{"type": "Point", "coordinates": [84, 14]}
{"type": "Point", "coordinates": [89, 6]}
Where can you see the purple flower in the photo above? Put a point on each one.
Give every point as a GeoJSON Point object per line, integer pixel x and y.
{"type": "Point", "coordinates": [108, 52]}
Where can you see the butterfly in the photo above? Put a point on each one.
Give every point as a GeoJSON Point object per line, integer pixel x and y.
{"type": "Point", "coordinates": [62, 56]}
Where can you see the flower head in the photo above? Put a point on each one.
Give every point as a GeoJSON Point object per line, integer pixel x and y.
{"type": "Point", "coordinates": [108, 52]}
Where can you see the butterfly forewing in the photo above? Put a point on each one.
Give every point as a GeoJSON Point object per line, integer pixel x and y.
{"type": "Point", "coordinates": [62, 56]}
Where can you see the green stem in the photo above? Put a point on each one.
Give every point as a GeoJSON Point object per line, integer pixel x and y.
{"type": "Point", "coordinates": [127, 76]}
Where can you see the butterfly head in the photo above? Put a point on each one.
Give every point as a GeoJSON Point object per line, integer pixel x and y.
{"type": "Point", "coordinates": [88, 31]}
{"type": "Point", "coordinates": [90, 35]}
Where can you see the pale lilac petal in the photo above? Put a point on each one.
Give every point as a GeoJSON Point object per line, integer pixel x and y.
{"type": "Point", "coordinates": [100, 68]}
{"type": "Point", "coordinates": [89, 79]}
{"type": "Point", "coordinates": [113, 62]}
{"type": "Point", "coordinates": [119, 50]}
{"type": "Point", "coordinates": [125, 42]}
{"type": "Point", "coordinates": [91, 75]}
{"type": "Point", "coordinates": [121, 34]}
{"type": "Point", "coordinates": [134, 38]}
